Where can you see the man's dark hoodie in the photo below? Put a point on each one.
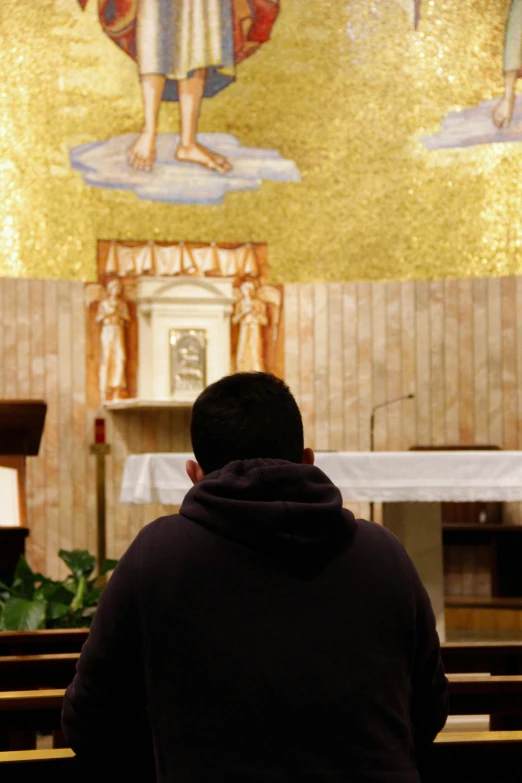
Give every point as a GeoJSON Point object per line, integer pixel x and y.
{"type": "Point", "coordinates": [263, 634]}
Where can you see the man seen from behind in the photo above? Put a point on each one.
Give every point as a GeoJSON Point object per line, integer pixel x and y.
{"type": "Point", "coordinates": [263, 634]}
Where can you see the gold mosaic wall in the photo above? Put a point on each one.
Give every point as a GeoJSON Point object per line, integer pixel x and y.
{"type": "Point", "coordinates": [345, 89]}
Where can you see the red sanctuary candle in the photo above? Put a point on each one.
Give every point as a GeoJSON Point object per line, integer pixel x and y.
{"type": "Point", "coordinates": [99, 430]}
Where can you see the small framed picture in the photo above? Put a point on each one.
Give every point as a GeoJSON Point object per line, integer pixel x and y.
{"type": "Point", "coordinates": [188, 361]}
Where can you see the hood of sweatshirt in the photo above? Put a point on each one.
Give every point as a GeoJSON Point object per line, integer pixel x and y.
{"type": "Point", "coordinates": [291, 513]}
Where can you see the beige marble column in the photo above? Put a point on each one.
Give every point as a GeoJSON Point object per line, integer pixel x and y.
{"type": "Point", "coordinates": [418, 527]}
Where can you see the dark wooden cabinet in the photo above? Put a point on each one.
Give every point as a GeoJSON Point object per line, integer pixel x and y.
{"type": "Point", "coordinates": [502, 547]}
{"type": "Point", "coordinates": [490, 569]}
{"type": "Point", "coordinates": [21, 427]}
{"type": "Point", "coordinates": [12, 545]}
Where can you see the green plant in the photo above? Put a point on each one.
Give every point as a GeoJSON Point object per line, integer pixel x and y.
{"type": "Point", "coordinates": [34, 601]}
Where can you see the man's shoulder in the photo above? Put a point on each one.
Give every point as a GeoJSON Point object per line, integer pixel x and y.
{"type": "Point", "coordinates": [172, 531]}
{"type": "Point", "coordinates": [162, 529]}
{"type": "Point", "coordinates": [167, 540]}
{"type": "Point", "coordinates": [374, 534]}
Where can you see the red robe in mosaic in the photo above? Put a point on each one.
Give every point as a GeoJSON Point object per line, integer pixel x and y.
{"type": "Point", "coordinates": [252, 27]}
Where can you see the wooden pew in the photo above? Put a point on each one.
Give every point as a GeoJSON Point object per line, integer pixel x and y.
{"type": "Point", "coordinates": [477, 757]}
{"type": "Point", "coordinates": [458, 657]}
{"type": "Point", "coordinates": [497, 658]}
{"type": "Point", "coordinates": [27, 673]}
{"type": "Point", "coordinates": [474, 694]}
{"type": "Point", "coordinates": [23, 713]}
{"type": "Point", "coordinates": [33, 766]}
{"type": "Point", "coordinates": [27, 710]}
{"type": "Point", "coordinates": [469, 695]}
{"type": "Point", "coordinates": [492, 657]}
{"type": "Point", "coordinates": [30, 672]}
{"type": "Point", "coordinates": [59, 640]}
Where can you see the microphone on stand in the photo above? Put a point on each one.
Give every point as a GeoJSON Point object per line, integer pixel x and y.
{"type": "Point", "coordinates": [372, 427]}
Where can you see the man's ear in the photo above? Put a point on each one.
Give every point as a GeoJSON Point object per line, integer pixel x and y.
{"type": "Point", "coordinates": [308, 457]}
{"type": "Point", "coordinates": [194, 471]}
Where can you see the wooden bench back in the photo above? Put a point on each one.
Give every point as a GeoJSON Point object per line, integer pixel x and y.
{"type": "Point", "coordinates": [469, 695]}
{"type": "Point", "coordinates": [493, 657]}
{"type": "Point", "coordinates": [66, 640]}
{"type": "Point", "coordinates": [478, 757]}
{"type": "Point", "coordinates": [29, 672]}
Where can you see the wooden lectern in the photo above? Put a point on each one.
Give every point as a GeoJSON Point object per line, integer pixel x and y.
{"type": "Point", "coordinates": [21, 427]}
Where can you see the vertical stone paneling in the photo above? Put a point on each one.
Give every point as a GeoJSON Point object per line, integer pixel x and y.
{"type": "Point", "coordinates": [394, 412]}
{"type": "Point", "coordinates": [379, 367]}
{"type": "Point", "coordinates": [509, 314]}
{"type": "Point", "coordinates": [53, 452]}
{"type": "Point", "coordinates": [65, 422]}
{"type": "Point", "coordinates": [364, 363]}
{"type": "Point", "coordinates": [307, 361]}
{"type": "Point", "coordinates": [350, 392]}
{"type": "Point", "coordinates": [335, 367]}
{"type": "Point", "coordinates": [451, 360]}
{"type": "Point", "coordinates": [408, 365]}
{"type": "Point", "coordinates": [347, 346]}
{"type": "Point", "coordinates": [292, 339]}
{"type": "Point", "coordinates": [480, 352]}
{"type": "Point", "coordinates": [466, 363]}
{"type": "Point", "coordinates": [495, 386]}
{"type": "Point", "coordinates": [36, 477]}
{"type": "Point", "coordinates": [437, 363]}
{"type": "Point", "coordinates": [321, 367]}
{"type": "Point", "coordinates": [423, 363]}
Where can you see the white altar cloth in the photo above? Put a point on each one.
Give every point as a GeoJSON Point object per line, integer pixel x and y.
{"type": "Point", "coordinates": [425, 476]}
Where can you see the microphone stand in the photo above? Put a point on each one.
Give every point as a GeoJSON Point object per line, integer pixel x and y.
{"type": "Point", "coordinates": [372, 430]}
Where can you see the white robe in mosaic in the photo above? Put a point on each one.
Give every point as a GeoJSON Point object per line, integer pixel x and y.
{"type": "Point", "coordinates": [176, 37]}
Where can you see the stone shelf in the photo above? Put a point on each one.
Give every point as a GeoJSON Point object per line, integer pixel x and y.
{"type": "Point", "coordinates": [140, 404]}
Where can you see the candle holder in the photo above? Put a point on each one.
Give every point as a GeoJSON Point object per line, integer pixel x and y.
{"type": "Point", "coordinates": [100, 449]}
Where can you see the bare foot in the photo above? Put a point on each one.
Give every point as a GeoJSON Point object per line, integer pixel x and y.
{"type": "Point", "coordinates": [503, 112]}
{"type": "Point", "coordinates": [196, 153]}
{"type": "Point", "coordinates": [142, 153]}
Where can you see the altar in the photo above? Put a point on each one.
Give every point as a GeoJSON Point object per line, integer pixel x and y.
{"type": "Point", "coordinates": [410, 484]}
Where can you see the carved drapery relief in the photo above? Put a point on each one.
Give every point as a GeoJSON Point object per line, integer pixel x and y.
{"type": "Point", "coordinates": [182, 259]}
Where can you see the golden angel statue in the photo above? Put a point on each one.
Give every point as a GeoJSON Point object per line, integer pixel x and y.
{"type": "Point", "coordinates": [251, 315]}
{"type": "Point", "coordinates": [113, 315]}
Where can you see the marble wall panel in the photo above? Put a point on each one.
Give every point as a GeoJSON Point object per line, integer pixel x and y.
{"type": "Point", "coordinates": [393, 365]}
{"type": "Point", "coordinates": [423, 363]}
{"type": "Point", "coordinates": [347, 347]}
{"type": "Point", "coordinates": [36, 480]}
{"type": "Point", "coordinates": [437, 364]}
{"type": "Point", "coordinates": [335, 367]}
{"type": "Point", "coordinates": [364, 364]}
{"type": "Point", "coordinates": [350, 396]}
{"type": "Point", "coordinates": [508, 314]}
{"type": "Point", "coordinates": [466, 363]}
{"type": "Point", "coordinates": [307, 361]}
{"type": "Point", "coordinates": [408, 364]}
{"type": "Point", "coordinates": [292, 341]}
{"type": "Point", "coordinates": [494, 346]}
{"type": "Point", "coordinates": [451, 360]}
{"type": "Point", "coordinates": [321, 364]}
{"type": "Point", "coordinates": [379, 368]}
{"type": "Point", "coordinates": [54, 540]}
{"type": "Point", "coordinates": [480, 350]}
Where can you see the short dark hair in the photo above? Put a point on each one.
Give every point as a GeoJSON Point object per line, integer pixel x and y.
{"type": "Point", "coordinates": [248, 415]}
